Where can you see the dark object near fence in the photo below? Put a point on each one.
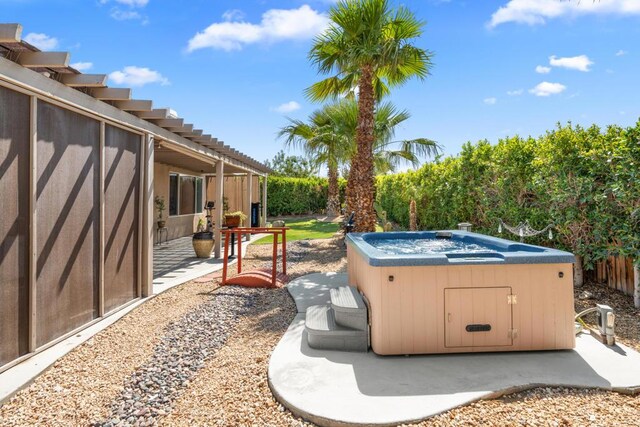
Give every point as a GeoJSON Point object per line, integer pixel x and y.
{"type": "Point", "coordinates": [349, 224]}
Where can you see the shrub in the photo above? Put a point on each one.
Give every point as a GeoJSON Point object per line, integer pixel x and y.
{"type": "Point", "coordinates": [584, 181]}
{"type": "Point", "coordinates": [297, 196]}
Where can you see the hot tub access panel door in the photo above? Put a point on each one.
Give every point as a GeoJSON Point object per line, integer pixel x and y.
{"type": "Point", "coordinates": [478, 317]}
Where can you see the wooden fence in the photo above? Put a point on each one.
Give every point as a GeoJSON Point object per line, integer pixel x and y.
{"type": "Point", "coordinates": [616, 272]}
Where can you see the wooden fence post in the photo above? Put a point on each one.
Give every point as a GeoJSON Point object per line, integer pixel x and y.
{"type": "Point", "coordinates": [636, 283]}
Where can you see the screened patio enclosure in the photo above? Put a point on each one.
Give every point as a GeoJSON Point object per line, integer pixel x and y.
{"type": "Point", "coordinates": [78, 168]}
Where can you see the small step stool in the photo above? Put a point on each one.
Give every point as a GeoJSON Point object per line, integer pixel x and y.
{"type": "Point", "coordinates": [342, 325]}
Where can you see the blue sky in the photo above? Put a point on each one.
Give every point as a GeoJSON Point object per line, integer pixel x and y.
{"type": "Point", "coordinates": [237, 68]}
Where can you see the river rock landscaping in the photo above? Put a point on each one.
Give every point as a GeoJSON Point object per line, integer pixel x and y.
{"type": "Point", "coordinates": [198, 355]}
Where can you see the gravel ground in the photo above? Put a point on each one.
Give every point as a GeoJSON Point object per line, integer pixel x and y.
{"type": "Point", "coordinates": [80, 387]}
{"type": "Point", "coordinates": [180, 354]}
{"type": "Point", "coordinates": [227, 384]}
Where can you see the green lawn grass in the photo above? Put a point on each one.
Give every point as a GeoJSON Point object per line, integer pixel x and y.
{"type": "Point", "coordinates": [305, 229]}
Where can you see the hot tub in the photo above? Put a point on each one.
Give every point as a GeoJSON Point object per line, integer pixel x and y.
{"type": "Point", "coordinates": [456, 291]}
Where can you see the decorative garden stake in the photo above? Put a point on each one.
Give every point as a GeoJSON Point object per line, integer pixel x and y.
{"type": "Point", "coordinates": [413, 223]}
{"type": "Point", "coordinates": [524, 230]}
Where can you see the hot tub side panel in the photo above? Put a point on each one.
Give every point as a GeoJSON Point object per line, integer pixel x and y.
{"type": "Point", "coordinates": [408, 312]}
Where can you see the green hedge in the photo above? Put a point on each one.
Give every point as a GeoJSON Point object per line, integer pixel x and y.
{"type": "Point", "coordinates": [298, 196]}
{"type": "Point", "coordinates": [584, 181]}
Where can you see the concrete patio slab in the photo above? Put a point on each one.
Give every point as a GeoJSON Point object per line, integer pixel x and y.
{"type": "Point", "coordinates": [334, 388]}
{"type": "Point", "coordinates": [313, 289]}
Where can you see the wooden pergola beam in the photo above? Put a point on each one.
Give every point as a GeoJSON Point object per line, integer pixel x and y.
{"type": "Point", "coordinates": [111, 94]}
{"type": "Point", "coordinates": [134, 105]}
{"type": "Point", "coordinates": [167, 123]}
{"type": "Point", "coordinates": [84, 80]}
{"type": "Point", "coordinates": [44, 59]}
{"type": "Point", "coordinates": [186, 128]}
{"type": "Point", "coordinates": [10, 33]}
{"type": "Point", "coordinates": [159, 113]}
{"type": "Point", "coordinates": [195, 133]}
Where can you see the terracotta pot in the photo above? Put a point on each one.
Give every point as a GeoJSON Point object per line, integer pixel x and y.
{"type": "Point", "coordinates": [203, 244]}
{"type": "Point", "coordinates": [232, 220]}
{"type": "Point", "coordinates": [162, 223]}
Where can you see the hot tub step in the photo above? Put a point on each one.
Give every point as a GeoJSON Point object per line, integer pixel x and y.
{"type": "Point", "coordinates": [349, 307]}
{"type": "Point", "coordinates": [324, 334]}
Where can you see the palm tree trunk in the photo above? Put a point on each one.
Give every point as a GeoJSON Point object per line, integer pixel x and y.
{"type": "Point", "coordinates": [360, 188]}
{"type": "Point", "coordinates": [333, 201]}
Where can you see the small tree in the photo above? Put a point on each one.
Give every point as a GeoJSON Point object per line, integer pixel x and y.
{"type": "Point", "coordinates": [291, 166]}
{"type": "Point", "coordinates": [413, 225]}
{"type": "Point", "coordinates": [160, 206]}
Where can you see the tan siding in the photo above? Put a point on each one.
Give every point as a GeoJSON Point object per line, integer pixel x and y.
{"type": "Point", "coordinates": [181, 225]}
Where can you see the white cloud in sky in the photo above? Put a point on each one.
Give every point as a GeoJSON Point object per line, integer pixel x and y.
{"type": "Point", "coordinates": [41, 41]}
{"type": "Point", "coordinates": [547, 89]}
{"type": "Point", "coordinates": [287, 107]}
{"type": "Point", "coordinates": [621, 52]}
{"type": "Point", "coordinates": [130, 3]}
{"type": "Point", "coordinates": [490, 101]}
{"type": "Point", "coordinates": [124, 15]}
{"type": "Point", "coordinates": [542, 69]}
{"type": "Point", "coordinates": [233, 15]}
{"type": "Point", "coordinates": [276, 25]}
{"type": "Point", "coordinates": [516, 92]}
{"type": "Point", "coordinates": [580, 63]}
{"type": "Point", "coordinates": [536, 12]}
{"type": "Point", "coordinates": [133, 3]}
{"type": "Point", "coordinates": [137, 76]}
{"type": "Point", "coordinates": [82, 66]}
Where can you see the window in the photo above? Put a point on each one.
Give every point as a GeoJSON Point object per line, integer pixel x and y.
{"type": "Point", "coordinates": [185, 194]}
{"type": "Point", "coordinates": [173, 194]}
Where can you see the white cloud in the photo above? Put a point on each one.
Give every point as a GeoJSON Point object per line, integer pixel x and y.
{"type": "Point", "coordinates": [130, 3]}
{"type": "Point", "coordinates": [124, 15]}
{"type": "Point", "coordinates": [137, 76]}
{"type": "Point", "coordinates": [580, 63]}
{"type": "Point", "coordinates": [276, 25]}
{"type": "Point", "coordinates": [542, 69]}
{"type": "Point", "coordinates": [516, 92]}
{"type": "Point", "coordinates": [490, 101]}
{"type": "Point", "coordinates": [287, 107]}
{"type": "Point", "coordinates": [621, 52]}
{"type": "Point", "coordinates": [82, 66]}
{"type": "Point", "coordinates": [536, 12]}
{"type": "Point", "coordinates": [41, 41]}
{"type": "Point", "coordinates": [547, 89]}
{"type": "Point", "coordinates": [233, 15]}
{"type": "Point", "coordinates": [133, 3]}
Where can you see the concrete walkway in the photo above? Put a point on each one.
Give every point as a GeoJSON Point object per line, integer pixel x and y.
{"type": "Point", "coordinates": [339, 388]}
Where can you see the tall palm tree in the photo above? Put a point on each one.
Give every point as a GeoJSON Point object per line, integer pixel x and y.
{"type": "Point", "coordinates": [329, 138]}
{"type": "Point", "coordinates": [322, 140]}
{"type": "Point", "coordinates": [388, 153]}
{"type": "Point", "coordinates": [368, 46]}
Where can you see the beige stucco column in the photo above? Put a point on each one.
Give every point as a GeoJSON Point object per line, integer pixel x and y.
{"type": "Point", "coordinates": [264, 201]}
{"type": "Point", "coordinates": [249, 200]}
{"type": "Point", "coordinates": [147, 217]}
{"type": "Point", "coordinates": [219, 208]}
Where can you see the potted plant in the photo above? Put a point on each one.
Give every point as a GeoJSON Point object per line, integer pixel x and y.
{"type": "Point", "coordinates": [160, 207]}
{"type": "Point", "coordinates": [234, 219]}
{"type": "Point", "coordinates": [202, 240]}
